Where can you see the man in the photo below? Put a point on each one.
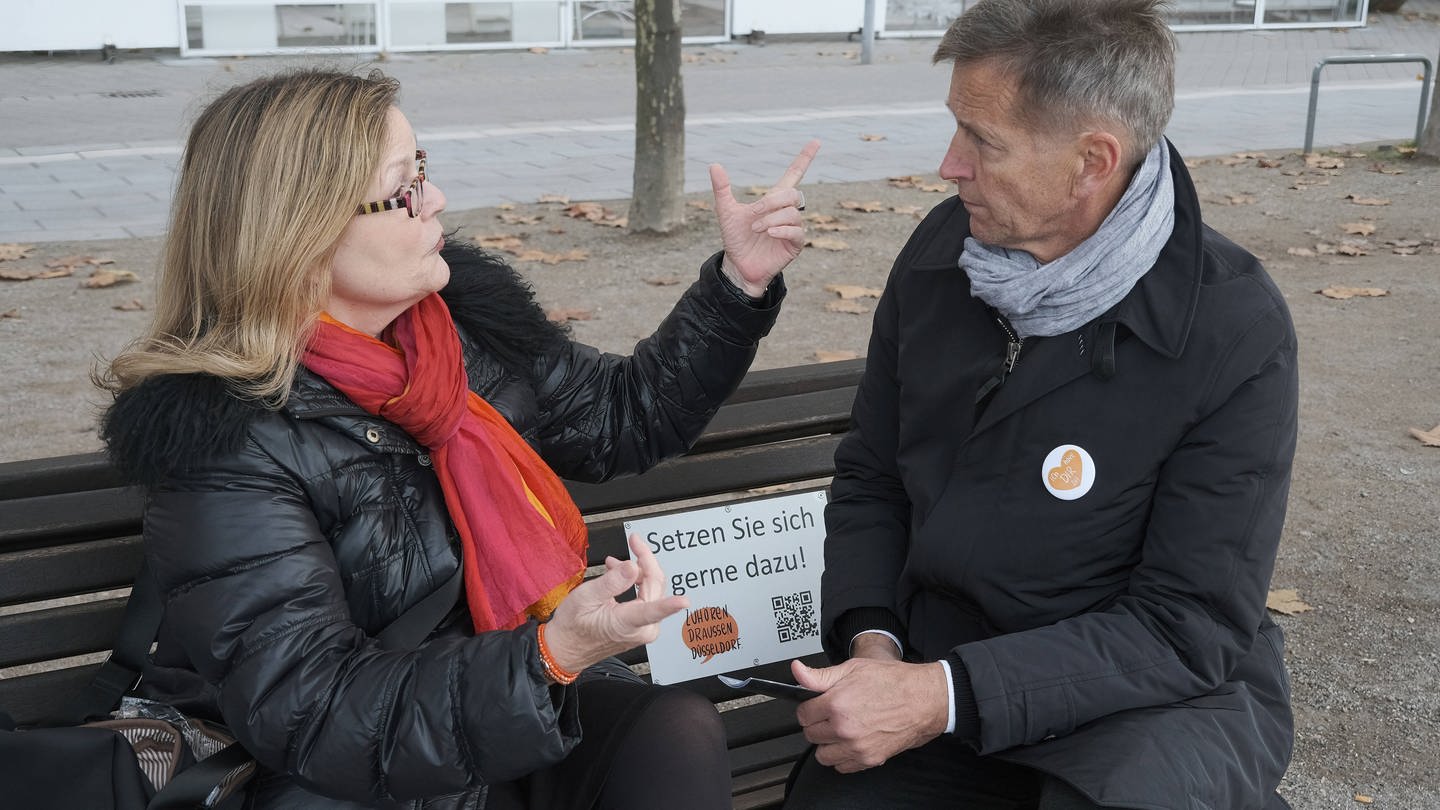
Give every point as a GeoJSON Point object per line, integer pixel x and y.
{"type": "Point", "coordinates": [1054, 521]}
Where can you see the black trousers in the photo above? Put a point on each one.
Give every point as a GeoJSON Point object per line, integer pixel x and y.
{"type": "Point", "coordinates": [943, 773]}
{"type": "Point", "coordinates": [643, 748]}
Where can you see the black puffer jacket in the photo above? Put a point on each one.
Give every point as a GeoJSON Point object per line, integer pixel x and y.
{"type": "Point", "coordinates": [283, 540]}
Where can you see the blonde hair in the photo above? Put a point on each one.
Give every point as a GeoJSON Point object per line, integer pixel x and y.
{"type": "Point", "coordinates": [272, 173]}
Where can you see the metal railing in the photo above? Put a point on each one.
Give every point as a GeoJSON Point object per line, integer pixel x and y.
{"type": "Point", "coordinates": [1367, 59]}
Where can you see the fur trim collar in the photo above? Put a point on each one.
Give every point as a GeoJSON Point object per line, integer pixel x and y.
{"type": "Point", "coordinates": [174, 421]}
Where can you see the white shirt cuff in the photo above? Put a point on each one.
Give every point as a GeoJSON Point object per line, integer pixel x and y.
{"type": "Point", "coordinates": [950, 707]}
{"type": "Point", "coordinates": [898, 646]}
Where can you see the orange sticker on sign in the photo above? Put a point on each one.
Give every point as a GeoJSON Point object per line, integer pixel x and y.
{"type": "Point", "coordinates": [710, 631]}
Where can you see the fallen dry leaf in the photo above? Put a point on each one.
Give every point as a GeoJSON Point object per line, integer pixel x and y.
{"type": "Point", "coordinates": [59, 272]}
{"type": "Point", "coordinates": [1250, 155]}
{"type": "Point", "coordinates": [1239, 199]}
{"type": "Point", "coordinates": [576, 255]}
{"type": "Point", "coordinates": [10, 251]}
{"type": "Point", "coordinates": [757, 191]}
{"type": "Point", "coordinates": [560, 199]}
{"type": "Point", "coordinates": [1363, 799]}
{"type": "Point", "coordinates": [520, 219]}
{"type": "Point", "coordinates": [10, 313]}
{"type": "Point", "coordinates": [824, 356]}
{"type": "Point", "coordinates": [1231, 161]}
{"type": "Point", "coordinates": [937, 188]}
{"type": "Point", "coordinates": [913, 210]}
{"type": "Point", "coordinates": [15, 275]}
{"type": "Point", "coordinates": [538, 49]}
{"type": "Point", "coordinates": [825, 222]}
{"type": "Point", "coordinates": [827, 243]}
{"type": "Point", "coordinates": [563, 314]}
{"type": "Point", "coordinates": [1429, 438]}
{"type": "Point", "coordinates": [133, 305]}
{"type": "Point", "coordinates": [507, 242]}
{"type": "Point", "coordinates": [1366, 200]}
{"type": "Point", "coordinates": [850, 307]}
{"type": "Point", "coordinates": [72, 262]}
{"type": "Point", "coordinates": [1342, 293]}
{"type": "Point", "coordinates": [1286, 601]}
{"type": "Point", "coordinates": [1315, 161]}
{"type": "Point", "coordinates": [506, 206]}
{"type": "Point", "coordinates": [1358, 228]}
{"type": "Point", "coordinates": [872, 137]}
{"type": "Point", "coordinates": [108, 278]}
{"type": "Point", "coordinates": [1305, 252]}
{"type": "Point", "coordinates": [663, 281]}
{"type": "Point", "coordinates": [1352, 249]}
{"type": "Point", "coordinates": [872, 207]}
{"type": "Point", "coordinates": [1407, 151]}
{"type": "Point", "coordinates": [848, 291]}
{"type": "Point", "coordinates": [907, 181]}
{"type": "Point", "coordinates": [587, 210]}
{"type": "Point", "coordinates": [1268, 164]}
{"type": "Point", "coordinates": [1383, 169]}
{"type": "Point", "coordinates": [1325, 249]}
{"type": "Point", "coordinates": [703, 205]}
{"type": "Point", "coordinates": [1195, 163]}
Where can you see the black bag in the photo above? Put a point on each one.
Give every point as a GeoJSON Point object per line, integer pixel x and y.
{"type": "Point", "coordinates": [148, 756]}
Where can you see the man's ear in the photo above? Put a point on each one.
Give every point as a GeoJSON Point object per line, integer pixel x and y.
{"type": "Point", "coordinates": [1102, 164]}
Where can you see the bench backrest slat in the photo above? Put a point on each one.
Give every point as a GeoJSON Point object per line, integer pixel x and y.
{"type": "Point", "coordinates": [732, 470]}
{"type": "Point", "coordinates": [59, 632]}
{"type": "Point", "coordinates": [38, 574]}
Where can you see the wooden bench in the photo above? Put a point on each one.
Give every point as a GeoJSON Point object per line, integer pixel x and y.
{"type": "Point", "coordinates": [70, 547]}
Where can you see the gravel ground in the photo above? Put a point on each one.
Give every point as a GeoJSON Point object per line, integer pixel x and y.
{"type": "Point", "coordinates": [1361, 546]}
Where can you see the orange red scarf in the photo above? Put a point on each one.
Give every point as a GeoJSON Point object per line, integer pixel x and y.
{"type": "Point", "coordinates": [522, 536]}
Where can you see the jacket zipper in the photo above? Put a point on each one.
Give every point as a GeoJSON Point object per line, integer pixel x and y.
{"type": "Point", "coordinates": [1012, 349]}
{"type": "Point", "coordinates": [1014, 343]}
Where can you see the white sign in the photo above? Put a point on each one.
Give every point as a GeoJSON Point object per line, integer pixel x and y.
{"type": "Point", "coordinates": [752, 573]}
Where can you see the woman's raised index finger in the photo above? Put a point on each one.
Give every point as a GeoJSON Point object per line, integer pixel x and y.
{"type": "Point", "coordinates": [799, 165]}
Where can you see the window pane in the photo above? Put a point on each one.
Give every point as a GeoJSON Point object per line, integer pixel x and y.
{"type": "Point", "coordinates": [922, 15]}
{"type": "Point", "coordinates": [327, 25]}
{"type": "Point", "coordinates": [1212, 12]}
{"type": "Point", "coordinates": [1303, 11]}
{"type": "Point", "coordinates": [439, 23]}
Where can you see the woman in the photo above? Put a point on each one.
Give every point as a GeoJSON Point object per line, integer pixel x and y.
{"type": "Point", "coordinates": [335, 410]}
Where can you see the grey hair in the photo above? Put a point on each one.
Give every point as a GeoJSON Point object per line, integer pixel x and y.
{"type": "Point", "coordinates": [1077, 62]}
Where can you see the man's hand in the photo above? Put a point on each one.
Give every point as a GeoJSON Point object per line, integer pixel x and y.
{"type": "Point", "coordinates": [872, 709]}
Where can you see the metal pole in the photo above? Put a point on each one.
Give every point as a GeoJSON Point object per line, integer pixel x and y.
{"type": "Point", "coordinates": [1373, 58]}
{"type": "Point", "coordinates": [867, 34]}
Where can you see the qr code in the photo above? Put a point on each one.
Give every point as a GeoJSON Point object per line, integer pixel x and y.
{"type": "Point", "coordinates": [795, 616]}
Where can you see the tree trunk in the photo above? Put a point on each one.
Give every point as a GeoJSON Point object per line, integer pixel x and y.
{"type": "Point", "coordinates": [657, 203]}
{"type": "Point", "coordinates": [1429, 145]}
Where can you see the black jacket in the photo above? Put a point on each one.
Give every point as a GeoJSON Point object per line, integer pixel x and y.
{"type": "Point", "coordinates": [1118, 640]}
{"type": "Point", "coordinates": [283, 540]}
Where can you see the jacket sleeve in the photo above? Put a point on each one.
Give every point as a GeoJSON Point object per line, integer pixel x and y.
{"type": "Point", "coordinates": [604, 415]}
{"type": "Point", "coordinates": [867, 522]}
{"type": "Point", "coordinates": [254, 600]}
{"type": "Point", "coordinates": [1196, 600]}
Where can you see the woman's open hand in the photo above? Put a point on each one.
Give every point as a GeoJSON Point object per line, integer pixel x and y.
{"type": "Point", "coordinates": [589, 625]}
{"type": "Point", "coordinates": [764, 236]}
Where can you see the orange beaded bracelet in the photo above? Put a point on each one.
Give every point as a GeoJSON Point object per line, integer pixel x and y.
{"type": "Point", "coordinates": [552, 670]}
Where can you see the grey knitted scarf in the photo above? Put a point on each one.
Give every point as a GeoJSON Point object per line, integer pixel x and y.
{"type": "Point", "coordinates": [1054, 298]}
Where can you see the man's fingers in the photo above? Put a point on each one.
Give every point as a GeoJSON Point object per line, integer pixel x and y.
{"type": "Point", "coordinates": [799, 166]}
